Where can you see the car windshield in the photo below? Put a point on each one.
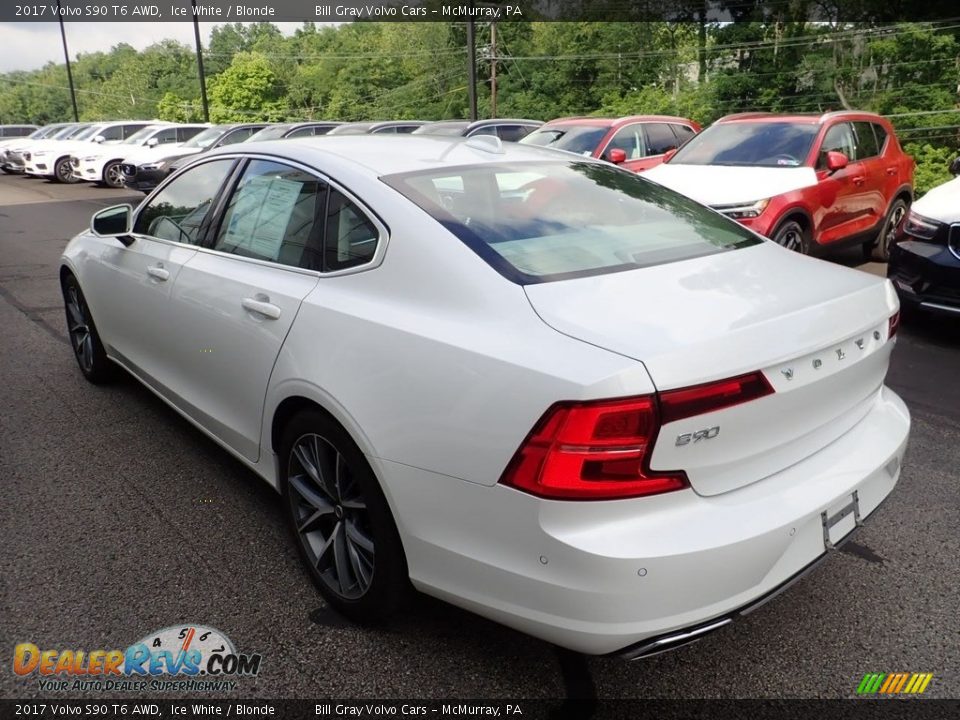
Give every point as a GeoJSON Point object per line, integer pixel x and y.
{"type": "Point", "coordinates": [272, 132]}
{"type": "Point", "coordinates": [142, 134]}
{"type": "Point", "coordinates": [543, 221]}
{"type": "Point", "coordinates": [761, 144]}
{"type": "Point", "coordinates": [90, 132]}
{"type": "Point", "coordinates": [442, 128]}
{"type": "Point", "coordinates": [205, 138]}
{"type": "Point", "coordinates": [69, 131]}
{"type": "Point", "coordinates": [580, 139]}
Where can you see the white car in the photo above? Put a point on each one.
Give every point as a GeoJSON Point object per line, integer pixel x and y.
{"type": "Point", "coordinates": [51, 158]}
{"type": "Point", "coordinates": [15, 144]}
{"type": "Point", "coordinates": [102, 164]}
{"type": "Point", "coordinates": [537, 386]}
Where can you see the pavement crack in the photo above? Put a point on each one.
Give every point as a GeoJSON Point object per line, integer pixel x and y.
{"type": "Point", "coordinates": [33, 315]}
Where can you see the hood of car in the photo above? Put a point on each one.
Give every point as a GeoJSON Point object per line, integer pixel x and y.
{"type": "Point", "coordinates": [942, 203]}
{"type": "Point", "coordinates": [144, 153]}
{"type": "Point", "coordinates": [726, 185]}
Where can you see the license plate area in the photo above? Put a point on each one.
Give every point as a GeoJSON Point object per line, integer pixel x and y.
{"type": "Point", "coordinates": [841, 522]}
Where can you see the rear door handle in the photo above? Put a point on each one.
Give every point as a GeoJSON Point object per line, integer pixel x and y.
{"type": "Point", "coordinates": [262, 306]}
{"type": "Point", "coordinates": [158, 272]}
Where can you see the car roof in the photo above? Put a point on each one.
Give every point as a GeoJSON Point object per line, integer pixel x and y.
{"type": "Point", "coordinates": [504, 121]}
{"type": "Point", "coordinates": [615, 122]}
{"type": "Point", "coordinates": [807, 118]}
{"type": "Point", "coordinates": [379, 155]}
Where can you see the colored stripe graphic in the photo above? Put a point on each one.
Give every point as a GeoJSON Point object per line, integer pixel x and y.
{"type": "Point", "coordinates": [894, 683]}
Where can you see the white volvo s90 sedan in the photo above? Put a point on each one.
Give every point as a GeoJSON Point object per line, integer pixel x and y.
{"type": "Point", "coordinates": [534, 385]}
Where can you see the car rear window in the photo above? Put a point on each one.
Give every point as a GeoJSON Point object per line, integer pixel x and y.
{"type": "Point", "coordinates": [580, 139]}
{"type": "Point", "coordinates": [544, 221]}
{"type": "Point", "coordinates": [765, 144]}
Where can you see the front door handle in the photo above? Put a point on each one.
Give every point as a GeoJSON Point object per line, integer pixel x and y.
{"type": "Point", "coordinates": [891, 171]}
{"type": "Point", "coordinates": [158, 272]}
{"type": "Point", "coordinates": [262, 306]}
{"type": "Point", "coordinates": [859, 180]}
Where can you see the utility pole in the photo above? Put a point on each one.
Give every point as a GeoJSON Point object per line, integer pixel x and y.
{"type": "Point", "coordinates": [203, 81]}
{"type": "Point", "coordinates": [493, 69]}
{"type": "Point", "coordinates": [471, 67]}
{"type": "Point", "coordinates": [66, 56]}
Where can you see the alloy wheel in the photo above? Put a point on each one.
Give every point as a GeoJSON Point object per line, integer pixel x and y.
{"type": "Point", "coordinates": [78, 326]}
{"type": "Point", "coordinates": [331, 517]}
{"type": "Point", "coordinates": [896, 217]}
{"type": "Point", "coordinates": [113, 175]}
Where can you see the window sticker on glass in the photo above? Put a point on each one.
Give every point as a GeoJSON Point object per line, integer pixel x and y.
{"type": "Point", "coordinates": [261, 213]}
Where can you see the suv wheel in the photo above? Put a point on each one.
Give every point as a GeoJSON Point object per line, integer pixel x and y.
{"type": "Point", "coordinates": [62, 171]}
{"type": "Point", "coordinates": [791, 235]}
{"type": "Point", "coordinates": [888, 234]}
{"type": "Point", "coordinates": [113, 175]}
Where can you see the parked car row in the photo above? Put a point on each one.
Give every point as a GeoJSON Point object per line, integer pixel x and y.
{"type": "Point", "coordinates": [807, 181]}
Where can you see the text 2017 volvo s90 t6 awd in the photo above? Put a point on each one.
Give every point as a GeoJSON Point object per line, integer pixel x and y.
{"type": "Point", "coordinates": [535, 385]}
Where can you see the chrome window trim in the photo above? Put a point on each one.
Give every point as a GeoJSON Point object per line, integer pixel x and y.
{"type": "Point", "coordinates": [383, 231]}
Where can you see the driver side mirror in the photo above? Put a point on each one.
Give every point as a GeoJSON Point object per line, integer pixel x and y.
{"type": "Point", "coordinates": [669, 154]}
{"type": "Point", "coordinates": [617, 156]}
{"type": "Point", "coordinates": [99, 139]}
{"type": "Point", "coordinates": [836, 161]}
{"type": "Point", "coordinates": [152, 142]}
{"type": "Point", "coordinates": [114, 222]}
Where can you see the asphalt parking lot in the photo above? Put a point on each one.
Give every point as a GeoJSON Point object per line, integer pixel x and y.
{"type": "Point", "coordinates": [118, 518]}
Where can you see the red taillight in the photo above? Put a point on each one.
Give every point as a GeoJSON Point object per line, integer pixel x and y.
{"type": "Point", "coordinates": [600, 450]}
{"type": "Point", "coordinates": [700, 399]}
{"type": "Point", "coordinates": [893, 325]}
{"type": "Point", "coordinates": [592, 451]}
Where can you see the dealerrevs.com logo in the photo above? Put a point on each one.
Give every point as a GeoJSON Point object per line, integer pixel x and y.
{"type": "Point", "coordinates": [187, 658]}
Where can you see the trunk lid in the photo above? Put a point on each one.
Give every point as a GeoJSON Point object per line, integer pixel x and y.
{"type": "Point", "coordinates": [816, 330]}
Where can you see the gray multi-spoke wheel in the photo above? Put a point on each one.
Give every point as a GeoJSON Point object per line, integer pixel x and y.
{"type": "Point", "coordinates": [63, 172]}
{"type": "Point", "coordinates": [331, 516]}
{"type": "Point", "coordinates": [888, 233]}
{"type": "Point", "coordinates": [340, 519]}
{"type": "Point", "coordinates": [792, 236]}
{"type": "Point", "coordinates": [84, 339]}
{"type": "Point", "coordinates": [112, 174]}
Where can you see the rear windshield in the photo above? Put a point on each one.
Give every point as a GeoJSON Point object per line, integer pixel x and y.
{"type": "Point", "coordinates": [579, 139]}
{"type": "Point", "coordinates": [544, 221]}
{"type": "Point", "coordinates": [764, 144]}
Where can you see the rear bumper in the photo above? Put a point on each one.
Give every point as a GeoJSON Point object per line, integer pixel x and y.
{"type": "Point", "coordinates": [926, 276]}
{"type": "Point", "coordinates": [612, 577]}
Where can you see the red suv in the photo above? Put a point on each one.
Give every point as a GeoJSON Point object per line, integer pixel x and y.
{"type": "Point", "coordinates": [638, 142]}
{"type": "Point", "coordinates": [805, 181]}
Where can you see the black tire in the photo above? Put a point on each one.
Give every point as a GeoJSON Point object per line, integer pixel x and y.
{"type": "Point", "coordinates": [791, 235]}
{"type": "Point", "coordinates": [112, 175]}
{"type": "Point", "coordinates": [340, 520]}
{"type": "Point", "coordinates": [62, 172]}
{"type": "Point", "coordinates": [84, 338]}
{"type": "Point", "coordinates": [880, 251]}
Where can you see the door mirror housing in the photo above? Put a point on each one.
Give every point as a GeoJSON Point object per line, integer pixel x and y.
{"type": "Point", "coordinates": [836, 161]}
{"type": "Point", "coordinates": [669, 154]}
{"type": "Point", "coordinates": [114, 222]}
{"type": "Point", "coordinates": [617, 156]}
{"type": "Point", "coordinates": [152, 142]}
{"type": "Point", "coordinates": [99, 139]}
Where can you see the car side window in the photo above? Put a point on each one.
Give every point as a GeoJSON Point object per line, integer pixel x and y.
{"type": "Point", "coordinates": [683, 133]}
{"type": "Point", "coordinates": [659, 138]}
{"type": "Point", "coordinates": [128, 130]}
{"type": "Point", "coordinates": [166, 136]}
{"type": "Point", "coordinates": [627, 139]}
{"type": "Point", "coordinates": [115, 132]}
{"type": "Point", "coordinates": [275, 214]}
{"type": "Point", "coordinates": [866, 141]}
{"type": "Point", "coordinates": [178, 211]}
{"type": "Point", "coordinates": [302, 132]}
{"type": "Point", "coordinates": [839, 138]}
{"type": "Point", "coordinates": [185, 133]}
{"type": "Point", "coordinates": [351, 237]}
{"type": "Point", "coordinates": [512, 133]}
{"type": "Point", "coordinates": [236, 136]}
{"type": "Point", "coordinates": [881, 134]}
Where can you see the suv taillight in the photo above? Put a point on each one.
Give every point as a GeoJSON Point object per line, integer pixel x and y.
{"type": "Point", "coordinates": [600, 450]}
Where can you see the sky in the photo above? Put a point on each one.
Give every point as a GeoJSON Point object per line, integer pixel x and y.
{"type": "Point", "coordinates": [29, 45]}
